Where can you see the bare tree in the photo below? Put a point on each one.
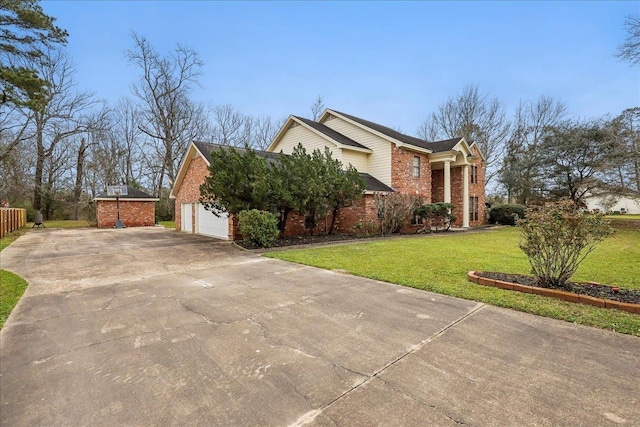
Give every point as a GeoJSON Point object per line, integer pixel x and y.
{"type": "Point", "coordinates": [317, 108]}
{"type": "Point", "coordinates": [624, 176]}
{"type": "Point", "coordinates": [14, 128]}
{"type": "Point", "coordinates": [477, 118]}
{"type": "Point", "coordinates": [97, 125]}
{"type": "Point", "coordinates": [228, 125]}
{"type": "Point", "coordinates": [169, 117]}
{"type": "Point", "coordinates": [520, 167]}
{"type": "Point", "coordinates": [265, 130]}
{"type": "Point", "coordinates": [629, 50]}
{"type": "Point", "coordinates": [55, 116]}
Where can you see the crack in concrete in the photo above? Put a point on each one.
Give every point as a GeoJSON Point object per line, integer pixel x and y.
{"type": "Point", "coordinates": [265, 334]}
{"type": "Point", "coordinates": [376, 374]}
{"type": "Point", "coordinates": [420, 402]}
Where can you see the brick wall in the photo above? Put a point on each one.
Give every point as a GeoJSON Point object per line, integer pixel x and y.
{"type": "Point", "coordinates": [478, 189]}
{"type": "Point", "coordinates": [437, 186]}
{"type": "Point", "coordinates": [132, 214]}
{"type": "Point", "coordinates": [402, 179]}
{"type": "Point", "coordinates": [189, 191]}
{"type": "Point", "coordinates": [362, 210]}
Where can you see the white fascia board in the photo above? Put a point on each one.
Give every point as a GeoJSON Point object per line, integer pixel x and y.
{"type": "Point", "coordinates": [414, 148]}
{"type": "Point", "coordinates": [280, 133]}
{"type": "Point", "coordinates": [444, 156]}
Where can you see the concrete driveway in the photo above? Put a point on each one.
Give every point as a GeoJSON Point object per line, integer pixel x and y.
{"type": "Point", "coordinates": [153, 327]}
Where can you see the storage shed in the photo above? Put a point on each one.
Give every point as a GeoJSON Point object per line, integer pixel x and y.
{"type": "Point", "coordinates": [136, 209]}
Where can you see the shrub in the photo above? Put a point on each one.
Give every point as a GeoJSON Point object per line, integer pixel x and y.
{"type": "Point", "coordinates": [394, 209]}
{"type": "Point", "coordinates": [506, 214]}
{"type": "Point", "coordinates": [366, 227]}
{"type": "Point", "coordinates": [557, 237]}
{"type": "Point", "coordinates": [437, 215]}
{"type": "Point", "coordinates": [258, 227]}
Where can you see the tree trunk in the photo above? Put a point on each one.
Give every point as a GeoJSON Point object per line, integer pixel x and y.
{"type": "Point", "coordinates": [77, 190]}
{"type": "Point", "coordinates": [37, 188]}
{"type": "Point", "coordinates": [333, 220]}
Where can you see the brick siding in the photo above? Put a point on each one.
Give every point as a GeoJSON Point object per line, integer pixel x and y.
{"type": "Point", "coordinates": [402, 179]}
{"type": "Point", "coordinates": [189, 191]}
{"type": "Point", "coordinates": [132, 214]}
{"type": "Point", "coordinates": [430, 186]}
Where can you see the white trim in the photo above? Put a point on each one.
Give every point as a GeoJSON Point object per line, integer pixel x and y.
{"type": "Point", "coordinates": [447, 181]}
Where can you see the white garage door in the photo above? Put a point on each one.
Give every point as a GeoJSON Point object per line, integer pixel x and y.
{"type": "Point", "coordinates": [210, 225]}
{"type": "Point", "coordinates": [185, 218]}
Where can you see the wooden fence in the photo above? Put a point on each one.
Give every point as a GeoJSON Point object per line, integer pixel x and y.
{"type": "Point", "coordinates": [11, 219]}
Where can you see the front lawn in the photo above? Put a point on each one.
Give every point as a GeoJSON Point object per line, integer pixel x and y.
{"type": "Point", "coordinates": [440, 264]}
{"type": "Point", "coordinates": [167, 224]}
{"type": "Point", "coordinates": [11, 289]}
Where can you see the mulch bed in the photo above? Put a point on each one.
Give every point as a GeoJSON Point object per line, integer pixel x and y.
{"type": "Point", "coordinates": [591, 289]}
{"type": "Point", "coordinates": [304, 240]}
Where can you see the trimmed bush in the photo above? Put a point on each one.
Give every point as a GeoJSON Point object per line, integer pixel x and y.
{"type": "Point", "coordinates": [438, 215]}
{"type": "Point", "coordinates": [366, 228]}
{"type": "Point", "coordinates": [258, 227]}
{"type": "Point", "coordinates": [557, 237]}
{"type": "Point", "coordinates": [506, 214]}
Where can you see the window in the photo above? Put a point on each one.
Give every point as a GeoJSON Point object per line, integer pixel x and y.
{"type": "Point", "coordinates": [416, 166]}
{"type": "Point", "coordinates": [474, 174]}
{"type": "Point", "coordinates": [473, 208]}
{"type": "Point", "coordinates": [416, 220]}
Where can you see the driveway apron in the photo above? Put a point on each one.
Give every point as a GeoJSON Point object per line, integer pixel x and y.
{"type": "Point", "coordinates": [149, 326]}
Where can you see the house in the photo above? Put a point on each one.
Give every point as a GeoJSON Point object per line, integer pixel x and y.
{"type": "Point", "coordinates": [136, 209]}
{"type": "Point", "coordinates": [443, 171]}
{"type": "Point", "coordinates": [609, 203]}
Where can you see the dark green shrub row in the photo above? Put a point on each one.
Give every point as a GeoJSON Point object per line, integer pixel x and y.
{"type": "Point", "coordinates": [506, 214]}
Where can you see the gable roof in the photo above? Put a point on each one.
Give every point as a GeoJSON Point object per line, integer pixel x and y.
{"type": "Point", "coordinates": [132, 194]}
{"type": "Point", "coordinates": [205, 149]}
{"type": "Point", "coordinates": [444, 145]}
{"type": "Point", "coordinates": [321, 130]}
{"type": "Point", "coordinates": [372, 184]}
{"type": "Point", "coordinates": [336, 136]}
{"type": "Point", "coordinates": [387, 131]}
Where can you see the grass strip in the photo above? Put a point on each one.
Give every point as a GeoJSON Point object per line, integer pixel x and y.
{"type": "Point", "coordinates": [12, 287]}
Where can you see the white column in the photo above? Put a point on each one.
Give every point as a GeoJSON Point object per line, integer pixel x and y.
{"type": "Point", "coordinates": [465, 196]}
{"type": "Point", "coordinates": [447, 181]}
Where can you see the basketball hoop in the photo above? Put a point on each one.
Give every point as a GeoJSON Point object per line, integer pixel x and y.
{"type": "Point", "coordinates": [117, 190]}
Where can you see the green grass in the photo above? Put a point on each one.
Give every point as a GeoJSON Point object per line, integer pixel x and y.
{"type": "Point", "coordinates": [168, 224]}
{"type": "Point", "coordinates": [11, 289]}
{"type": "Point", "coordinates": [625, 216]}
{"type": "Point", "coordinates": [440, 264]}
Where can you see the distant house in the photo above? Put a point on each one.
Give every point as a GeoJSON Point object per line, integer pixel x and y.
{"type": "Point", "coordinates": [444, 171]}
{"type": "Point", "coordinates": [609, 203]}
{"type": "Point", "coordinates": [136, 209]}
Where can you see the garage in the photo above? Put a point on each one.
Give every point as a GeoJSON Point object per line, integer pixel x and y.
{"type": "Point", "coordinates": [208, 224]}
{"type": "Point", "coordinates": [186, 217]}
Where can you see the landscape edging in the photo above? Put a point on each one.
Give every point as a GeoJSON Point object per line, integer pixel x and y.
{"type": "Point", "coordinates": [554, 293]}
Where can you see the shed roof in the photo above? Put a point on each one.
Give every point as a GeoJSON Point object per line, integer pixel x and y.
{"type": "Point", "coordinates": [132, 193]}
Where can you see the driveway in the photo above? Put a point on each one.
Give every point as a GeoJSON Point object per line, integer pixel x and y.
{"type": "Point", "coordinates": [153, 327]}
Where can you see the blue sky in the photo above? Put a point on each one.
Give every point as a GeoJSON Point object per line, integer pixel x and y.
{"type": "Point", "coordinates": [390, 62]}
